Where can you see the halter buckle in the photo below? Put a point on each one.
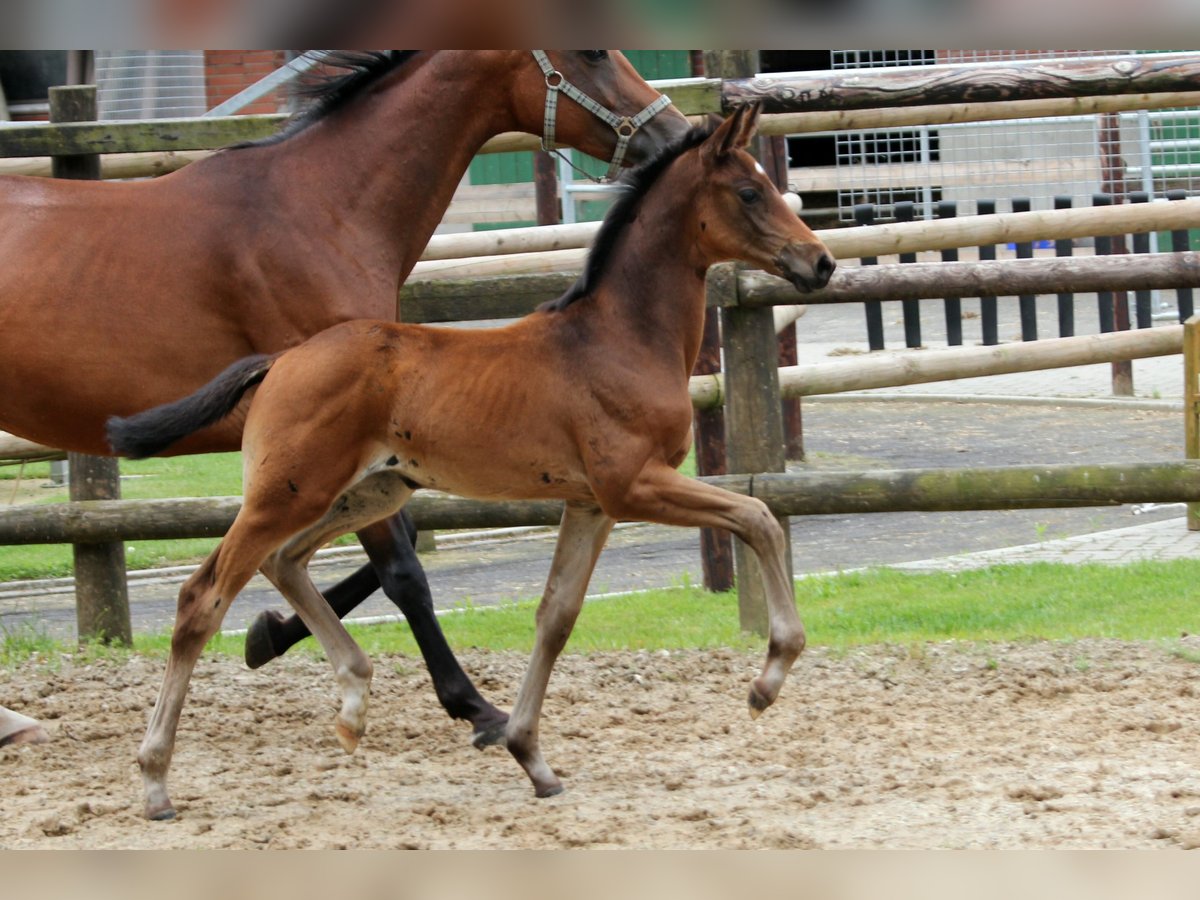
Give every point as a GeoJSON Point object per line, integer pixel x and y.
{"type": "Point", "coordinates": [555, 85]}
{"type": "Point", "coordinates": [625, 128]}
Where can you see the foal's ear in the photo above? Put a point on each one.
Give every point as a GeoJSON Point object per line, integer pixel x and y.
{"type": "Point", "coordinates": [735, 133]}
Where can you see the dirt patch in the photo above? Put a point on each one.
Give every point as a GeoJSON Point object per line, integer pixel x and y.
{"type": "Point", "coordinates": [1089, 744]}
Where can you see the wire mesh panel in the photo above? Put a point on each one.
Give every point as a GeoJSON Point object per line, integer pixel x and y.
{"type": "Point", "coordinates": [150, 84]}
{"type": "Point", "coordinates": [1040, 159]}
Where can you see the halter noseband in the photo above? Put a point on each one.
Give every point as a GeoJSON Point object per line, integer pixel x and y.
{"type": "Point", "coordinates": [625, 126]}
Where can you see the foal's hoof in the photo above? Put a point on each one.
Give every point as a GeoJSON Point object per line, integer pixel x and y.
{"type": "Point", "coordinates": [758, 700]}
{"type": "Point", "coordinates": [260, 638]}
{"type": "Point", "coordinates": [549, 790]}
{"type": "Point", "coordinates": [37, 735]}
{"type": "Point", "coordinates": [489, 735]}
{"type": "Point", "coordinates": [160, 813]}
{"type": "Point", "coordinates": [347, 736]}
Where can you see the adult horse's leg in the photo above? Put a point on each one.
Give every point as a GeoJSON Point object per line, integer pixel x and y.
{"type": "Point", "coordinates": [389, 546]}
{"type": "Point", "coordinates": [581, 537]}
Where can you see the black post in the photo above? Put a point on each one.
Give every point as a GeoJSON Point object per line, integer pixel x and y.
{"type": "Point", "coordinates": [1066, 301]}
{"type": "Point", "coordinates": [912, 308]}
{"type": "Point", "coordinates": [1141, 244]}
{"type": "Point", "coordinates": [1026, 302]}
{"type": "Point", "coordinates": [1179, 244]}
{"type": "Point", "coordinates": [1104, 248]}
{"type": "Point", "coordinates": [947, 209]}
{"type": "Point", "coordinates": [864, 214]}
{"type": "Point", "coordinates": [987, 305]}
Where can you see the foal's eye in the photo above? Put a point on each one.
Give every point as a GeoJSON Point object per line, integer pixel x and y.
{"type": "Point", "coordinates": [595, 55]}
{"type": "Point", "coordinates": [749, 196]}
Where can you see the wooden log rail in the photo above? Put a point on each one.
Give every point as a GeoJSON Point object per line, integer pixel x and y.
{"type": "Point", "coordinates": [787, 494]}
{"type": "Point", "coordinates": [508, 296]}
{"type": "Point", "coordinates": [810, 101]}
{"type": "Point", "coordinates": [546, 249]}
{"type": "Point", "coordinates": [923, 367]}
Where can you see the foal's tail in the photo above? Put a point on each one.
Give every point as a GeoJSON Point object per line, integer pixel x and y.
{"type": "Point", "coordinates": [156, 429]}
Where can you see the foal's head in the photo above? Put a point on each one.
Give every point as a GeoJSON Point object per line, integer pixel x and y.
{"type": "Point", "coordinates": [740, 215]}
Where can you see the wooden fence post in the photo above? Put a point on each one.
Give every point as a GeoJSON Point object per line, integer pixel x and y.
{"type": "Point", "coordinates": [1191, 404]}
{"type": "Point", "coordinates": [753, 426]}
{"type": "Point", "coordinates": [101, 593]}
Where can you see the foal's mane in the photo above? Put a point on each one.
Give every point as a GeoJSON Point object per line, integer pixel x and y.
{"type": "Point", "coordinates": [635, 184]}
{"type": "Point", "coordinates": [353, 73]}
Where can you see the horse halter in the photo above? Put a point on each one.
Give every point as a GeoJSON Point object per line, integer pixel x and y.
{"type": "Point", "coordinates": [625, 126]}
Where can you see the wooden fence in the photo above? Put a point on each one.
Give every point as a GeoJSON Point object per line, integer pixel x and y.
{"type": "Point", "coordinates": [524, 267]}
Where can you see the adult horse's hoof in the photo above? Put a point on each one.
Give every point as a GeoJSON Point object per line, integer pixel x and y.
{"type": "Point", "coordinates": [550, 790]}
{"type": "Point", "coordinates": [261, 638]}
{"type": "Point", "coordinates": [348, 736]}
{"type": "Point", "coordinates": [490, 735]}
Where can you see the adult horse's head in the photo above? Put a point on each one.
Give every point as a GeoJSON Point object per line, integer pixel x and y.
{"type": "Point", "coordinates": [742, 216]}
{"type": "Point", "coordinates": [595, 101]}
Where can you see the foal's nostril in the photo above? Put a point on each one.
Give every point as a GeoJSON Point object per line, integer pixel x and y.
{"type": "Point", "coordinates": [824, 268]}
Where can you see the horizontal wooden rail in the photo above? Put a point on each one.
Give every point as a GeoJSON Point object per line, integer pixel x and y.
{"type": "Point", "coordinates": [836, 92]}
{"type": "Point", "coordinates": [843, 243]}
{"type": "Point", "coordinates": [150, 163]}
{"type": "Point", "coordinates": [926, 366]}
{"type": "Point", "coordinates": [788, 494]}
{"type": "Point", "coordinates": [897, 86]}
{"type": "Point", "coordinates": [984, 278]}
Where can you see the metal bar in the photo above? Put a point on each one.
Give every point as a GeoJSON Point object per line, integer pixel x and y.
{"type": "Point", "coordinates": [989, 321]}
{"type": "Point", "coordinates": [1026, 302]}
{"type": "Point", "coordinates": [265, 85]}
{"type": "Point", "coordinates": [864, 214]}
{"type": "Point", "coordinates": [1064, 247]}
{"type": "Point", "coordinates": [947, 209]}
{"type": "Point", "coordinates": [911, 308]}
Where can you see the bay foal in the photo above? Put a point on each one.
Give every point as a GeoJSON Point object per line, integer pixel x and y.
{"type": "Point", "coordinates": [585, 400]}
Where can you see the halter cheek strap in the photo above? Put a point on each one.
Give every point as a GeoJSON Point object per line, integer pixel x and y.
{"type": "Point", "coordinates": [625, 126]}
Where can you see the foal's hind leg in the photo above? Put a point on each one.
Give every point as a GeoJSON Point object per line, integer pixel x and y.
{"type": "Point", "coordinates": [203, 601]}
{"type": "Point", "coordinates": [581, 537]}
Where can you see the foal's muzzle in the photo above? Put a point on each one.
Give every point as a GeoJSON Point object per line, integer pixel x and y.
{"type": "Point", "coordinates": [807, 266]}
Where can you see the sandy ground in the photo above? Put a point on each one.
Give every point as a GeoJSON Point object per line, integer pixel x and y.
{"type": "Point", "coordinates": [1085, 744]}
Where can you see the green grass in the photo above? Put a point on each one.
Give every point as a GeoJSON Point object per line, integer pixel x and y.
{"type": "Point", "coordinates": [1144, 601]}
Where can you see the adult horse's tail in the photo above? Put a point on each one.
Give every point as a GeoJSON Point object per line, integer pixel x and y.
{"type": "Point", "coordinates": [156, 429]}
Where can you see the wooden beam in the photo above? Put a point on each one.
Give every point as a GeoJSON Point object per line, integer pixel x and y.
{"type": "Point", "coordinates": [787, 494]}
{"type": "Point", "coordinates": [982, 278]}
{"type": "Point", "coordinates": [958, 83]}
{"type": "Point", "coordinates": [925, 366]}
{"type": "Point", "coordinates": [844, 243]}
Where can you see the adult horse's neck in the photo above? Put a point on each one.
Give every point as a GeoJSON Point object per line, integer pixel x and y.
{"type": "Point", "coordinates": [380, 173]}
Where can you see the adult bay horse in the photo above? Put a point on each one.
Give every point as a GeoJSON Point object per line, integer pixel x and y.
{"type": "Point", "coordinates": [585, 400]}
{"type": "Point", "coordinates": [118, 297]}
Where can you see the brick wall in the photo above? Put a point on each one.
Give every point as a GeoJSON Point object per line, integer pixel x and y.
{"type": "Point", "coordinates": [230, 71]}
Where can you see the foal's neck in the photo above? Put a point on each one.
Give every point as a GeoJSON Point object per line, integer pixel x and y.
{"type": "Point", "coordinates": [390, 163]}
{"type": "Point", "coordinates": [654, 283]}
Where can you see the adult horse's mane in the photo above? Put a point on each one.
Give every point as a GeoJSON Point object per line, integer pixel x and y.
{"type": "Point", "coordinates": [353, 72]}
{"type": "Point", "coordinates": [635, 184]}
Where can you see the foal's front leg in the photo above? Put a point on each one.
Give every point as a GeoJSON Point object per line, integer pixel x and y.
{"type": "Point", "coordinates": [581, 537]}
{"type": "Point", "coordinates": [660, 494]}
